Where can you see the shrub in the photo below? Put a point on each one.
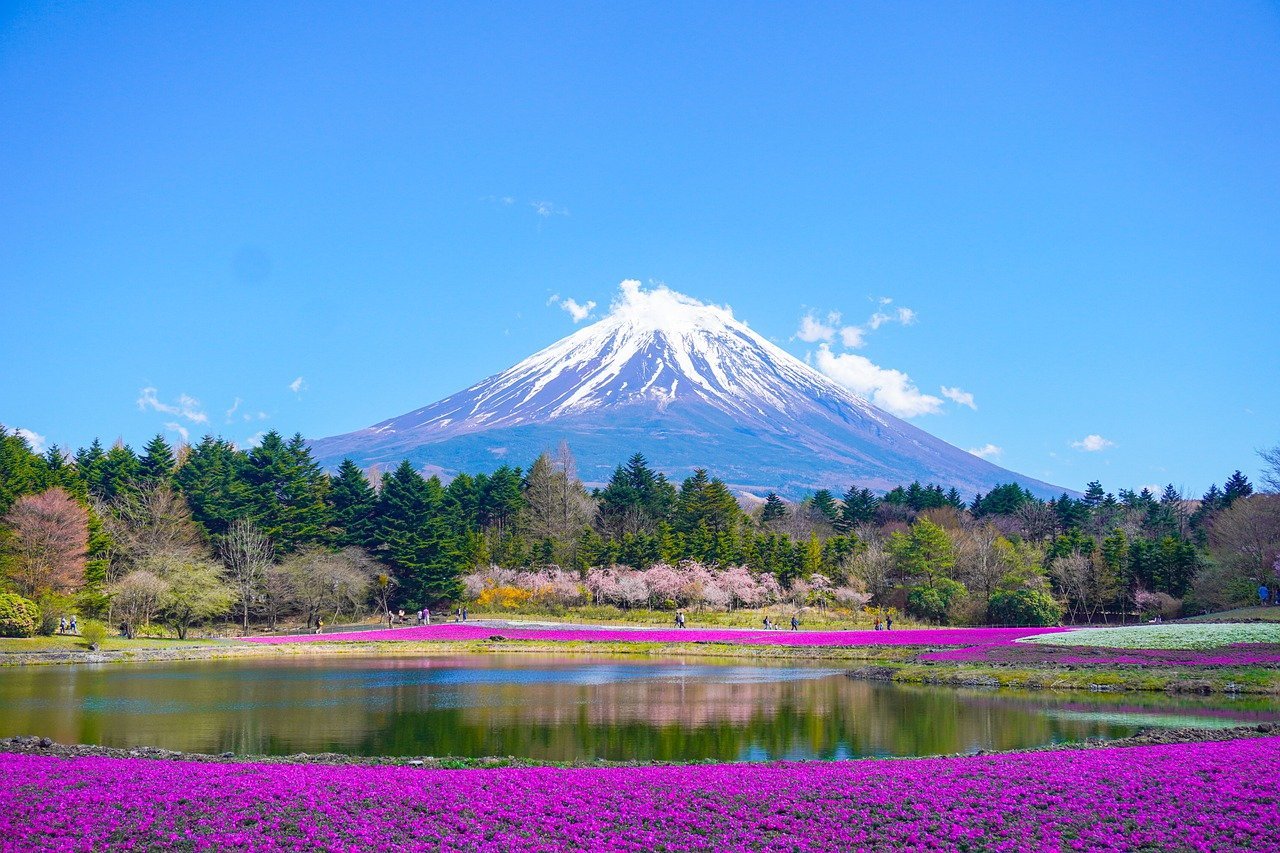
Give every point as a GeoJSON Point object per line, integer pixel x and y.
{"type": "Point", "coordinates": [934, 602]}
{"type": "Point", "coordinates": [505, 597]}
{"type": "Point", "coordinates": [18, 616]}
{"type": "Point", "coordinates": [1024, 607]}
{"type": "Point", "coordinates": [93, 633]}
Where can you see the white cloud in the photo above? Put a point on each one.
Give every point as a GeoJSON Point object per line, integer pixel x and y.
{"type": "Point", "coordinates": [906, 316]}
{"type": "Point", "coordinates": [885, 300]}
{"type": "Point", "coordinates": [547, 209]}
{"type": "Point", "coordinates": [252, 441]}
{"type": "Point", "coordinates": [231, 411]}
{"type": "Point", "coordinates": [891, 390]}
{"type": "Point", "coordinates": [35, 439]}
{"type": "Point", "coordinates": [576, 311]}
{"type": "Point", "coordinates": [179, 429]}
{"type": "Point", "coordinates": [1093, 443]}
{"type": "Point", "coordinates": [187, 407]}
{"type": "Point", "coordinates": [852, 337]}
{"type": "Point", "coordinates": [298, 385]}
{"type": "Point", "coordinates": [878, 319]}
{"type": "Point", "coordinates": [962, 398]}
{"type": "Point", "coordinates": [813, 330]}
{"type": "Point", "coordinates": [987, 451]}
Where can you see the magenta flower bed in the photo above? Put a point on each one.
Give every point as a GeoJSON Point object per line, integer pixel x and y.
{"type": "Point", "coordinates": [1206, 796]}
{"type": "Point", "coordinates": [1011, 653]}
{"type": "Point", "coordinates": [457, 631]}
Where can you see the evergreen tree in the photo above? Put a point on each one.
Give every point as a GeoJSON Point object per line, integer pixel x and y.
{"type": "Point", "coordinates": [118, 473]}
{"type": "Point", "coordinates": [1236, 487]}
{"type": "Point", "coordinates": [288, 492]}
{"type": "Point", "coordinates": [22, 471]}
{"type": "Point", "coordinates": [774, 508]}
{"type": "Point", "coordinates": [858, 507]}
{"type": "Point", "coordinates": [213, 482]}
{"type": "Point", "coordinates": [420, 540]}
{"type": "Point", "coordinates": [1093, 495]}
{"type": "Point", "coordinates": [353, 506]}
{"type": "Point", "coordinates": [157, 462]}
{"type": "Point", "coordinates": [824, 506]}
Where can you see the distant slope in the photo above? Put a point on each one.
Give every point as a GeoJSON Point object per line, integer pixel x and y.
{"type": "Point", "coordinates": [687, 385]}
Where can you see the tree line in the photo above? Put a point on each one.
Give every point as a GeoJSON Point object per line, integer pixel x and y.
{"type": "Point", "coordinates": [184, 535]}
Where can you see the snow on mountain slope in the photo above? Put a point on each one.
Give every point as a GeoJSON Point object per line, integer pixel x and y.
{"type": "Point", "coordinates": [687, 384]}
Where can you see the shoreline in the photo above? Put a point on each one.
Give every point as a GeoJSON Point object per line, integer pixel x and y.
{"type": "Point", "coordinates": [43, 746]}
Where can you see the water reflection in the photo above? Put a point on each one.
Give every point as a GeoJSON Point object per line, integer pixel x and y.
{"type": "Point", "coordinates": [553, 708]}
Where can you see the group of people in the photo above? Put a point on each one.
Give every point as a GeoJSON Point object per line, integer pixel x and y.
{"type": "Point", "coordinates": [770, 625]}
{"type": "Point", "coordinates": [888, 623]}
{"type": "Point", "coordinates": [67, 626]}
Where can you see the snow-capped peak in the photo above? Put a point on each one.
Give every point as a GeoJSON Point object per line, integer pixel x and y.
{"type": "Point", "coordinates": [656, 346]}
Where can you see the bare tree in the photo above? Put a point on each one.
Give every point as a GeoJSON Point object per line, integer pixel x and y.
{"type": "Point", "coordinates": [873, 564]}
{"type": "Point", "coordinates": [325, 581]}
{"type": "Point", "coordinates": [1245, 537]}
{"type": "Point", "coordinates": [49, 537]}
{"type": "Point", "coordinates": [1271, 473]}
{"type": "Point", "coordinates": [136, 598]}
{"type": "Point", "coordinates": [978, 561]}
{"type": "Point", "coordinates": [1074, 575]}
{"type": "Point", "coordinates": [247, 553]}
{"type": "Point", "coordinates": [150, 523]}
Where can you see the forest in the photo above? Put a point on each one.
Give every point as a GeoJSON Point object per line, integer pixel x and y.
{"type": "Point", "coordinates": [211, 534]}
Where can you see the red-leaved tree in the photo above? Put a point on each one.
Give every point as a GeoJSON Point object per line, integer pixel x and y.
{"type": "Point", "coordinates": [45, 551]}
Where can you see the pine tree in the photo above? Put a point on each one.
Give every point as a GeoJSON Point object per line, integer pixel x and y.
{"type": "Point", "coordinates": [420, 540]}
{"type": "Point", "coordinates": [858, 507]}
{"type": "Point", "coordinates": [1236, 487]}
{"type": "Point", "coordinates": [213, 482]}
{"type": "Point", "coordinates": [824, 506]}
{"type": "Point", "coordinates": [157, 463]}
{"type": "Point", "coordinates": [353, 505]}
{"type": "Point", "coordinates": [289, 492]}
{"type": "Point", "coordinates": [774, 508]}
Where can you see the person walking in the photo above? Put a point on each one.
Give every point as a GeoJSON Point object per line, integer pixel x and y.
{"type": "Point", "coordinates": [426, 616]}
{"type": "Point", "coordinates": [464, 614]}
{"type": "Point", "coordinates": [62, 624]}
{"type": "Point", "coordinates": [319, 625]}
{"type": "Point", "coordinates": [74, 629]}
{"type": "Point", "coordinates": [795, 623]}
{"type": "Point", "coordinates": [680, 619]}
{"type": "Point", "coordinates": [888, 623]}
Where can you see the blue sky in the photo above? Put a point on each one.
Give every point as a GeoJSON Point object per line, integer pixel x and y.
{"type": "Point", "coordinates": [1080, 204]}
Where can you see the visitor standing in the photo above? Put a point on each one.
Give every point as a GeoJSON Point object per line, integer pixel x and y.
{"type": "Point", "coordinates": [62, 623]}
{"type": "Point", "coordinates": [319, 625]}
{"type": "Point", "coordinates": [1264, 594]}
{"type": "Point", "coordinates": [679, 618]}
{"type": "Point", "coordinates": [795, 623]}
{"type": "Point", "coordinates": [74, 629]}
{"type": "Point", "coordinates": [426, 616]}
{"type": "Point", "coordinates": [877, 623]}
{"type": "Point", "coordinates": [464, 614]}
{"type": "Point", "coordinates": [888, 623]}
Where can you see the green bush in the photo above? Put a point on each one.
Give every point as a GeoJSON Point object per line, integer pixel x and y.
{"type": "Point", "coordinates": [18, 616]}
{"type": "Point", "coordinates": [934, 602]}
{"type": "Point", "coordinates": [93, 633]}
{"type": "Point", "coordinates": [1024, 607]}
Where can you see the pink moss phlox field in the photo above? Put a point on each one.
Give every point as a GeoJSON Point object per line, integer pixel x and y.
{"type": "Point", "coordinates": [453, 631]}
{"type": "Point", "coordinates": [1012, 653]}
{"type": "Point", "coordinates": [1190, 797]}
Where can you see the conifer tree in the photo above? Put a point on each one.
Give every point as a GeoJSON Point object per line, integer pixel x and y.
{"type": "Point", "coordinates": [353, 505]}
{"type": "Point", "coordinates": [157, 462]}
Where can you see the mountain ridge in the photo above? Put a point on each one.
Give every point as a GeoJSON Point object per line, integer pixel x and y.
{"type": "Point", "coordinates": [688, 385]}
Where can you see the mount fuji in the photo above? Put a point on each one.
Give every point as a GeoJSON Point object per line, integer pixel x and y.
{"type": "Point", "coordinates": [686, 384]}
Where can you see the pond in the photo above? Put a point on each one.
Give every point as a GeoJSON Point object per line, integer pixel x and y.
{"type": "Point", "coordinates": [562, 708]}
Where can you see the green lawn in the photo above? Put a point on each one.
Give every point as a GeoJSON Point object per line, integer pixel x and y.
{"type": "Point", "coordinates": [69, 643]}
{"type": "Point", "coordinates": [1164, 636]}
{"type": "Point", "coordinates": [1240, 614]}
